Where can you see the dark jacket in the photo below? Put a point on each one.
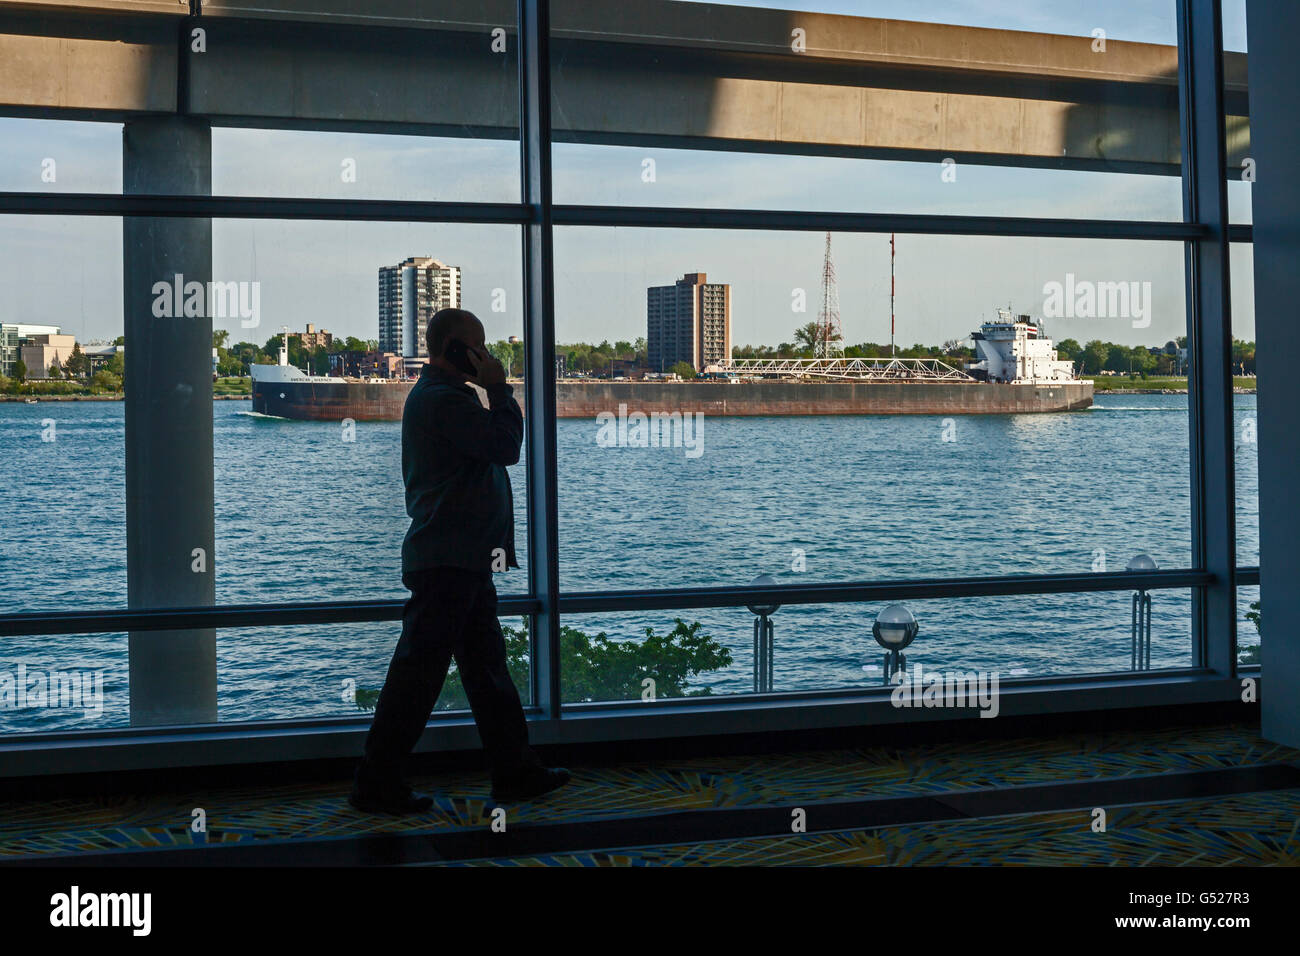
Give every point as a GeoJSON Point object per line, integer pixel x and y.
{"type": "Point", "coordinates": [454, 458]}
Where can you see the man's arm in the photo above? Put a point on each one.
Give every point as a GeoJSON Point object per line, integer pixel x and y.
{"type": "Point", "coordinates": [494, 434]}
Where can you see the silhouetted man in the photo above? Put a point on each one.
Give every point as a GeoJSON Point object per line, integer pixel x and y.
{"type": "Point", "coordinates": [454, 458]}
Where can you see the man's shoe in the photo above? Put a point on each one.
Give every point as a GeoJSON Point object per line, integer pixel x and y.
{"type": "Point", "coordinates": [531, 783]}
{"type": "Point", "coordinates": [394, 800]}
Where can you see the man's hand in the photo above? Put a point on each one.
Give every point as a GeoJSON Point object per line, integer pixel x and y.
{"type": "Point", "coordinates": [488, 370]}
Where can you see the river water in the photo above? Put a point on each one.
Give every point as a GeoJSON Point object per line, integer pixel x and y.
{"type": "Point", "coordinates": [303, 514]}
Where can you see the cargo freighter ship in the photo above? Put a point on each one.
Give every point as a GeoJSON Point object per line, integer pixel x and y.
{"type": "Point", "coordinates": [1017, 371]}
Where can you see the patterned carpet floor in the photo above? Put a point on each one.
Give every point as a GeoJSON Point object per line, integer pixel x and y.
{"type": "Point", "coordinates": [1254, 830]}
{"type": "Point", "coordinates": [1244, 829]}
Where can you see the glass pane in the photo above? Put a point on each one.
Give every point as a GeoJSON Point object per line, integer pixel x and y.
{"type": "Point", "coordinates": [307, 482]}
{"type": "Point", "coordinates": [309, 487]}
{"type": "Point", "coordinates": [79, 682]}
{"type": "Point", "coordinates": [1236, 109]}
{"type": "Point", "coordinates": [715, 651]}
{"type": "Point", "coordinates": [52, 156]}
{"type": "Point", "coordinates": [65, 683]}
{"type": "Point", "coordinates": [1243, 401]}
{"type": "Point", "coordinates": [308, 506]}
{"type": "Point", "coordinates": [69, 78]}
{"type": "Point", "coordinates": [335, 670]}
{"type": "Point", "coordinates": [1249, 632]}
{"type": "Point", "coordinates": [1040, 109]}
{"type": "Point", "coordinates": [328, 165]}
{"type": "Point", "coordinates": [865, 476]}
{"type": "Point", "coordinates": [61, 418]}
{"type": "Point", "coordinates": [343, 100]}
{"type": "Point", "coordinates": [333, 99]}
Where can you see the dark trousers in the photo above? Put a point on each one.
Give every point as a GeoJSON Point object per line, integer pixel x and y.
{"type": "Point", "coordinates": [451, 612]}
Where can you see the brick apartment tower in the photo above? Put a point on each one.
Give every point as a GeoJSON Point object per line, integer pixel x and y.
{"type": "Point", "coordinates": [689, 321]}
{"type": "Point", "coordinates": [409, 294]}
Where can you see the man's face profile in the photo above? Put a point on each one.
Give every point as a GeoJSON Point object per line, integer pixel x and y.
{"type": "Point", "coordinates": [456, 326]}
{"type": "Point", "coordinates": [470, 331]}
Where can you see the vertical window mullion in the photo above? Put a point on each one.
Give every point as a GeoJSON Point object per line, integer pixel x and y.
{"type": "Point", "coordinates": [1209, 331]}
{"type": "Point", "coordinates": [539, 348]}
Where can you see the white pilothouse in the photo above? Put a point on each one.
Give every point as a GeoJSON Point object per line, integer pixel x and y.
{"type": "Point", "coordinates": [283, 372]}
{"type": "Point", "coordinates": [1014, 349]}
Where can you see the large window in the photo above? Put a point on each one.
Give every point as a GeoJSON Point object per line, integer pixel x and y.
{"type": "Point", "coordinates": [964, 108]}
{"type": "Point", "coordinates": [679, 213]}
{"type": "Point", "coordinates": [871, 495]}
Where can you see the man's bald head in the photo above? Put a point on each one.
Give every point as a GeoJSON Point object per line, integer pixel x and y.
{"type": "Point", "coordinates": [448, 324]}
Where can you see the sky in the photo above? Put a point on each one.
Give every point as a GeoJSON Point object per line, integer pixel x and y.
{"type": "Point", "coordinates": [66, 270]}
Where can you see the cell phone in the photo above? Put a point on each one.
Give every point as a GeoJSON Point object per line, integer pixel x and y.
{"type": "Point", "coordinates": [457, 353]}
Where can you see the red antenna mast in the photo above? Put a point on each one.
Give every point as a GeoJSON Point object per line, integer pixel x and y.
{"type": "Point", "coordinates": [891, 295]}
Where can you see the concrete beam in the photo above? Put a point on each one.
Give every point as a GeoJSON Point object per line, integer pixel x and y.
{"type": "Point", "coordinates": [475, 16]}
{"type": "Point", "coordinates": [753, 30]}
{"type": "Point", "coordinates": [680, 74]}
{"type": "Point", "coordinates": [166, 7]}
{"type": "Point", "coordinates": [65, 66]}
{"type": "Point", "coordinates": [725, 80]}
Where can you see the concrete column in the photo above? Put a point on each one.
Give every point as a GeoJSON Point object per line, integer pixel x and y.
{"type": "Point", "coordinates": [169, 501]}
{"type": "Point", "coordinates": [1275, 143]}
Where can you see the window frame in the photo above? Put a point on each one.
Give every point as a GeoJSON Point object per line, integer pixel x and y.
{"type": "Point", "coordinates": [1213, 577]}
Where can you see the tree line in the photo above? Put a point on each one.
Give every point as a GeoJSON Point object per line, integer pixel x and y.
{"type": "Point", "coordinates": [236, 359]}
{"type": "Point", "coordinates": [1092, 358]}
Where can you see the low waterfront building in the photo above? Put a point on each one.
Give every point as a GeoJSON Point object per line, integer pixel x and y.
{"type": "Point", "coordinates": [12, 337]}
{"type": "Point", "coordinates": [40, 352]}
{"type": "Point", "coordinates": [312, 339]}
{"type": "Point", "coordinates": [97, 356]}
{"type": "Point", "coordinates": [354, 363]}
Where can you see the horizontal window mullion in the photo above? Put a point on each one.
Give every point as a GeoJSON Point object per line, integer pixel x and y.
{"type": "Point", "coordinates": [833, 694]}
{"type": "Point", "coordinates": [871, 591]}
{"type": "Point", "coordinates": [385, 210]}
{"type": "Point", "coordinates": [112, 620]}
{"type": "Point", "coordinates": [708, 218]}
{"type": "Point", "coordinates": [260, 207]}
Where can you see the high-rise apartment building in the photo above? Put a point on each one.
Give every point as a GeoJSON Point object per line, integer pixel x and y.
{"type": "Point", "coordinates": [689, 321]}
{"type": "Point", "coordinates": [409, 294]}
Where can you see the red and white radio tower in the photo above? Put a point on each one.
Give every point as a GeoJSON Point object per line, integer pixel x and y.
{"type": "Point", "coordinates": [830, 337]}
{"type": "Point", "coordinates": [891, 295]}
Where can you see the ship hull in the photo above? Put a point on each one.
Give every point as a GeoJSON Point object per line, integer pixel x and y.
{"type": "Point", "coordinates": [365, 401]}
{"type": "Point", "coordinates": [588, 399]}
{"type": "Point", "coordinates": [331, 401]}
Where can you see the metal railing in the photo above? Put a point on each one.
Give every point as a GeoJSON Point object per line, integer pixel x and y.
{"type": "Point", "coordinates": [854, 369]}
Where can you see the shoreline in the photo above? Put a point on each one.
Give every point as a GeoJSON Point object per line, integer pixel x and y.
{"type": "Point", "coordinates": [1160, 391]}
{"type": "Point", "coordinates": [245, 398]}
{"type": "Point", "coordinates": [104, 398]}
